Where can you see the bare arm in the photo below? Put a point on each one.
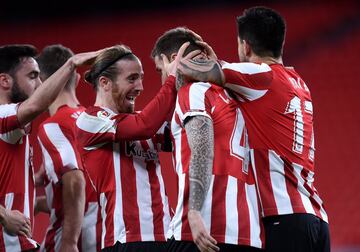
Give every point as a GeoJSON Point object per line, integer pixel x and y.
{"type": "Point", "coordinates": [200, 136]}
{"type": "Point", "coordinates": [47, 92]}
{"type": "Point", "coordinates": [207, 70]}
{"type": "Point", "coordinates": [73, 193]}
{"type": "Point", "coordinates": [14, 222]}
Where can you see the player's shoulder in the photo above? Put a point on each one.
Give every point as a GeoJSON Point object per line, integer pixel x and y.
{"type": "Point", "coordinates": [8, 109]}
{"type": "Point", "coordinates": [99, 112]}
{"type": "Point", "coordinates": [247, 67]}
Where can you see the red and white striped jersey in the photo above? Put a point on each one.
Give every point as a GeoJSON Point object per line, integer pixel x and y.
{"type": "Point", "coordinates": [16, 175]}
{"type": "Point", "coordinates": [127, 177]}
{"type": "Point", "coordinates": [278, 112]}
{"type": "Point", "coordinates": [58, 143]}
{"type": "Point", "coordinates": [231, 212]}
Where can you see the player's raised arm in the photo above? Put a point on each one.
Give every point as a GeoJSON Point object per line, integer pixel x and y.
{"type": "Point", "coordinates": [46, 93]}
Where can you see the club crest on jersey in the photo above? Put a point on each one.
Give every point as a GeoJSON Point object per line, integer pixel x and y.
{"type": "Point", "coordinates": [134, 150]}
{"type": "Point", "coordinates": [103, 114]}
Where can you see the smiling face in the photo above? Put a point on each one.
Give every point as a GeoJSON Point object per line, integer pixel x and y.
{"type": "Point", "coordinates": [25, 80]}
{"type": "Point", "coordinates": [127, 85]}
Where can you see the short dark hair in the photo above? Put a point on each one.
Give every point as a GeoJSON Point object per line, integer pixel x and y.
{"type": "Point", "coordinates": [171, 41]}
{"type": "Point", "coordinates": [104, 64]}
{"type": "Point", "coordinates": [263, 29]}
{"type": "Point", "coordinates": [12, 55]}
{"type": "Point", "coordinates": [51, 59]}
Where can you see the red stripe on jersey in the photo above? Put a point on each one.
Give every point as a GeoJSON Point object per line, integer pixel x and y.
{"type": "Point", "coordinates": [50, 236]}
{"type": "Point", "coordinates": [264, 180]}
{"type": "Point", "coordinates": [218, 210]}
{"type": "Point", "coordinates": [156, 199]}
{"type": "Point", "coordinates": [109, 221]}
{"type": "Point", "coordinates": [129, 190]}
{"type": "Point", "coordinates": [291, 187]}
{"type": "Point", "coordinates": [185, 152]}
{"type": "Point", "coordinates": [55, 155]}
{"type": "Point", "coordinates": [185, 227]}
{"type": "Point", "coordinates": [243, 215]}
{"type": "Point", "coordinates": [2, 244]}
{"type": "Point", "coordinates": [185, 102]}
{"type": "Point", "coordinates": [314, 203]}
{"type": "Point", "coordinates": [9, 123]}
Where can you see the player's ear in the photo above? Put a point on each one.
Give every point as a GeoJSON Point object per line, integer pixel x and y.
{"type": "Point", "coordinates": [247, 48]}
{"type": "Point", "coordinates": [105, 83]}
{"type": "Point", "coordinates": [5, 81]}
{"type": "Point", "coordinates": [173, 56]}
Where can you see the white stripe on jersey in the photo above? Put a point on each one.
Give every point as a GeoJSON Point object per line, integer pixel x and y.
{"type": "Point", "coordinates": [103, 202]}
{"type": "Point", "coordinates": [144, 201]}
{"type": "Point", "coordinates": [11, 242]}
{"type": "Point", "coordinates": [165, 201]}
{"type": "Point", "coordinates": [249, 93]}
{"type": "Point", "coordinates": [206, 209]}
{"type": "Point", "coordinates": [62, 144]}
{"type": "Point", "coordinates": [118, 211]}
{"type": "Point", "coordinates": [252, 203]}
{"type": "Point", "coordinates": [278, 184]}
{"type": "Point", "coordinates": [94, 124]}
{"type": "Point", "coordinates": [88, 229]}
{"type": "Point", "coordinates": [231, 231]}
{"type": "Point", "coordinates": [176, 221]}
{"type": "Point", "coordinates": [247, 67]}
{"type": "Point", "coordinates": [197, 95]}
{"type": "Point", "coordinates": [49, 165]}
{"type": "Point", "coordinates": [27, 167]}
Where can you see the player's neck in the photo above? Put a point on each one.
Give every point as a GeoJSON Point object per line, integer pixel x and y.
{"type": "Point", "coordinates": [65, 98]}
{"type": "Point", "coordinates": [267, 60]}
{"type": "Point", "coordinates": [105, 103]}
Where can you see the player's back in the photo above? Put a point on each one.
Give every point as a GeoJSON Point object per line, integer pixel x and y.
{"type": "Point", "coordinates": [278, 113]}
{"type": "Point", "coordinates": [58, 141]}
{"type": "Point", "coordinates": [230, 206]}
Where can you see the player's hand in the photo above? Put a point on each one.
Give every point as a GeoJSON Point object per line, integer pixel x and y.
{"type": "Point", "coordinates": [201, 236]}
{"type": "Point", "coordinates": [171, 67]}
{"type": "Point", "coordinates": [15, 223]}
{"type": "Point", "coordinates": [86, 58]}
{"type": "Point", "coordinates": [208, 50]}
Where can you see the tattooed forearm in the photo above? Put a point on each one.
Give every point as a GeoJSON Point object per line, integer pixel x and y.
{"type": "Point", "coordinates": [205, 70]}
{"type": "Point", "coordinates": [200, 136]}
{"type": "Point", "coordinates": [179, 80]}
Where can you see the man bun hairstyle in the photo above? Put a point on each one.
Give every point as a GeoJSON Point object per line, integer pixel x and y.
{"type": "Point", "coordinates": [263, 29]}
{"type": "Point", "coordinates": [104, 64]}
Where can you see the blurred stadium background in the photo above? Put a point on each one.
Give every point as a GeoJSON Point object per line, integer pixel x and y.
{"type": "Point", "coordinates": [323, 43]}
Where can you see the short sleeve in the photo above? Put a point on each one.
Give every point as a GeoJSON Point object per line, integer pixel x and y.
{"type": "Point", "coordinates": [249, 81]}
{"type": "Point", "coordinates": [95, 127]}
{"type": "Point", "coordinates": [194, 100]}
{"type": "Point", "coordinates": [59, 150]}
{"type": "Point", "coordinates": [10, 130]}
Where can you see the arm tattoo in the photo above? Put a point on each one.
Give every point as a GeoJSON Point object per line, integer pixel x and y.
{"type": "Point", "coordinates": [200, 136]}
{"type": "Point", "coordinates": [205, 70]}
{"type": "Point", "coordinates": [179, 80]}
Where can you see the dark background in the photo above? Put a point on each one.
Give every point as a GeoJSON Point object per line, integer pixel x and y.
{"type": "Point", "coordinates": [323, 43]}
